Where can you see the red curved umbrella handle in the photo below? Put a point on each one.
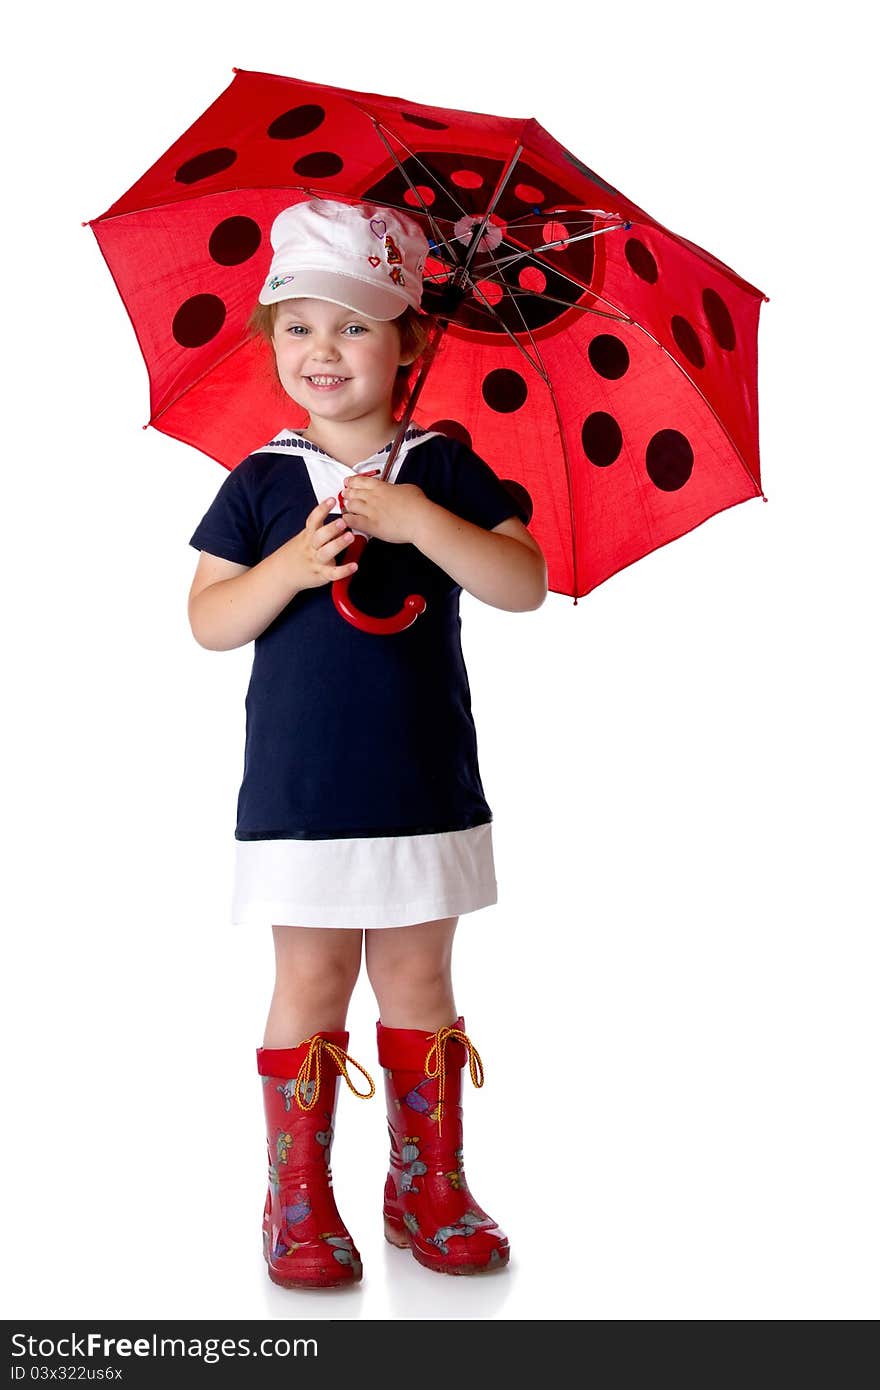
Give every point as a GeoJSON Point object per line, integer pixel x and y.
{"type": "Point", "coordinates": [412, 606]}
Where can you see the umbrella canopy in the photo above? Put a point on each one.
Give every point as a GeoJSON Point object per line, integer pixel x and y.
{"type": "Point", "coordinates": [606, 367]}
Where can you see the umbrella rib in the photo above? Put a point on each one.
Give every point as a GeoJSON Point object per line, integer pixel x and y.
{"type": "Point", "coordinates": [476, 231]}
{"type": "Point", "coordinates": [477, 234]}
{"type": "Point", "coordinates": [527, 253]}
{"type": "Point", "coordinates": [411, 154]}
{"type": "Point", "coordinates": [543, 370]}
{"type": "Point", "coordinates": [571, 511]}
{"type": "Point", "coordinates": [434, 226]}
{"type": "Point", "coordinates": [561, 241]}
{"type": "Point", "coordinates": [193, 384]}
{"type": "Point", "coordinates": [759, 491]}
{"type": "Point", "coordinates": [490, 308]}
{"type": "Point", "coordinates": [555, 213]}
{"type": "Point", "coordinates": [554, 299]}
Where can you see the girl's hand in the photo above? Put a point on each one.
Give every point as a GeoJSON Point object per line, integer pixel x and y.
{"type": "Point", "coordinates": [388, 511]}
{"type": "Point", "coordinates": [313, 551]}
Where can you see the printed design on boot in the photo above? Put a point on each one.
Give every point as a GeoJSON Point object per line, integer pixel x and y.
{"type": "Point", "coordinates": [437, 1212]}
{"type": "Point", "coordinates": [467, 1225]}
{"type": "Point", "coordinates": [289, 1089]}
{"type": "Point", "coordinates": [325, 1137]}
{"type": "Point", "coordinates": [415, 1168]}
{"type": "Point", "coordinates": [292, 1215]}
{"type": "Point", "coordinates": [419, 1103]}
{"type": "Point", "coordinates": [455, 1176]}
{"type": "Point", "coordinates": [344, 1251]}
{"type": "Point", "coordinates": [283, 1144]}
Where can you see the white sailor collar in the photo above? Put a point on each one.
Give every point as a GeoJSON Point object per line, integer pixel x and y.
{"type": "Point", "coordinates": [327, 474]}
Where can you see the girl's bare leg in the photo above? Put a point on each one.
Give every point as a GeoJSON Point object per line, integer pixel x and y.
{"type": "Point", "coordinates": [410, 969]}
{"type": "Point", "coordinates": [315, 973]}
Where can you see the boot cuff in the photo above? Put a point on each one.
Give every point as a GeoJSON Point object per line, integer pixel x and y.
{"type": "Point", "coordinates": [407, 1048]}
{"type": "Point", "coordinates": [285, 1062]}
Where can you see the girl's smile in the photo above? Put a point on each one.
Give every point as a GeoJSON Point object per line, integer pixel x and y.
{"type": "Point", "coordinates": [326, 383]}
{"type": "Point", "coordinates": [341, 367]}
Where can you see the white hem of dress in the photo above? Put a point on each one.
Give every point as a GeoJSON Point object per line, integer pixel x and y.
{"type": "Point", "coordinates": [363, 916]}
{"type": "Point", "coordinates": [364, 882]}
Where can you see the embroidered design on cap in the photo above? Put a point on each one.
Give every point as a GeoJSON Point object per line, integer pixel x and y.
{"type": "Point", "coordinates": [278, 280]}
{"type": "Point", "coordinates": [394, 259]}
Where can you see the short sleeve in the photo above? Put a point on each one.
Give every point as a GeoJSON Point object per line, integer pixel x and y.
{"type": "Point", "coordinates": [479, 494]}
{"type": "Point", "coordinates": [228, 528]}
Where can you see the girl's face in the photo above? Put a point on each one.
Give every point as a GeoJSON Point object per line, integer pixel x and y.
{"type": "Point", "coordinates": [315, 338]}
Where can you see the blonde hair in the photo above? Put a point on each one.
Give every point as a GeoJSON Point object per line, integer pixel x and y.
{"type": "Point", "coordinates": [414, 330]}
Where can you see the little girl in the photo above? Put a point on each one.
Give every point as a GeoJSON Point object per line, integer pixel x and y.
{"type": "Point", "coordinates": [361, 815]}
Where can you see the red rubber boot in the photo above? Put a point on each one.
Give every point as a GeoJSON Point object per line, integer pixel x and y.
{"type": "Point", "coordinates": [305, 1242]}
{"type": "Point", "coordinates": [428, 1206]}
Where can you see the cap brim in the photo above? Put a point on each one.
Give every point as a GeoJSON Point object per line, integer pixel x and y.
{"type": "Point", "coordinates": [345, 290]}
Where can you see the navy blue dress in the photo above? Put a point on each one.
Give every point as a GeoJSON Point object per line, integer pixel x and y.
{"type": "Point", "coordinates": [361, 802]}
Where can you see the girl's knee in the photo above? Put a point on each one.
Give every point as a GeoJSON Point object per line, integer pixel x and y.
{"type": "Point", "coordinates": [317, 963]}
{"type": "Point", "coordinates": [423, 970]}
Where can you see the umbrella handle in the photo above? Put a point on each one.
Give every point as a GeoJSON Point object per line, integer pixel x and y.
{"type": "Point", "coordinates": [398, 622]}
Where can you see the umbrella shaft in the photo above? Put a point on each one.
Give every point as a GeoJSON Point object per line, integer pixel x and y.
{"type": "Point", "coordinates": [430, 352]}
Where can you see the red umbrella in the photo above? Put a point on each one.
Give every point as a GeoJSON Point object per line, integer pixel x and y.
{"type": "Point", "coordinates": [605, 366]}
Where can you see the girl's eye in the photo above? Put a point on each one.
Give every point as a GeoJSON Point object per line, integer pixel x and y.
{"type": "Point", "coordinates": [294, 326]}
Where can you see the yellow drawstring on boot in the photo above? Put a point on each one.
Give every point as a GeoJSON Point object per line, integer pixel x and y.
{"type": "Point", "coordinates": [441, 1037]}
{"type": "Point", "coordinates": [312, 1062]}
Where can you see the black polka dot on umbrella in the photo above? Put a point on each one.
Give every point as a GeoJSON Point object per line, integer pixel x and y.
{"type": "Point", "coordinates": [669, 460]}
{"type": "Point", "coordinates": [454, 429]}
{"type": "Point", "coordinates": [424, 121]}
{"type": "Point", "coordinates": [608, 356]}
{"type": "Point", "coordinates": [521, 497]}
{"type": "Point", "coordinates": [198, 320]}
{"type": "Point", "coordinates": [203, 165]}
{"type": "Point", "coordinates": [640, 260]}
{"type": "Point", "coordinates": [298, 121]}
{"type": "Point", "coordinates": [601, 438]}
{"type": "Point", "coordinates": [321, 164]}
{"type": "Point", "coordinates": [720, 322]}
{"type": "Point", "coordinates": [234, 240]}
{"type": "Point", "coordinates": [504, 390]}
{"type": "Point", "coordinates": [687, 340]}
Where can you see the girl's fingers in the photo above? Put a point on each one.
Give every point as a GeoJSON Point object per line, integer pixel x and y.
{"type": "Point", "coordinates": [318, 515]}
{"type": "Point", "coordinates": [333, 545]}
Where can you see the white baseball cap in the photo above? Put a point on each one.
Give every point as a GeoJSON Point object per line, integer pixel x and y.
{"type": "Point", "coordinates": [365, 257]}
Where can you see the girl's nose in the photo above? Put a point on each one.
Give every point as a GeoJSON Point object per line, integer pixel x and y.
{"type": "Point", "coordinates": [323, 343]}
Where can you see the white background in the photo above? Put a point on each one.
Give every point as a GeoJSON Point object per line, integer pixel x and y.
{"type": "Point", "coordinates": [675, 997]}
